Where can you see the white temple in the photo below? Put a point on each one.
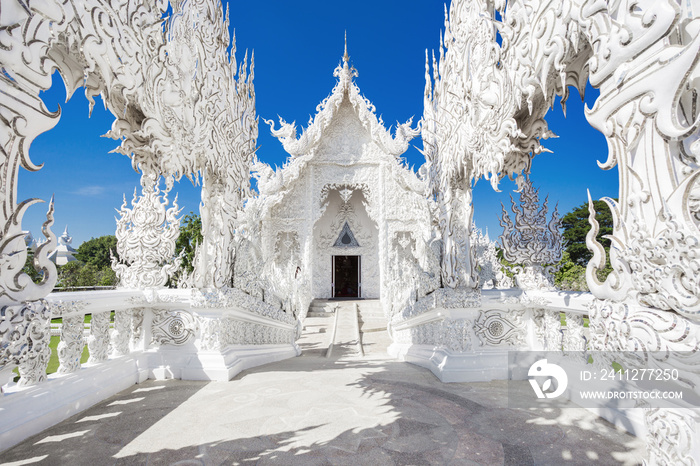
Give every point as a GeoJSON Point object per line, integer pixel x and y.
{"type": "Point", "coordinates": [344, 208]}
{"type": "Point", "coordinates": [63, 253]}
{"type": "Point", "coordinates": [345, 218]}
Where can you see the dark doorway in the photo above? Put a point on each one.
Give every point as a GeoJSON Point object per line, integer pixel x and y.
{"type": "Point", "coordinates": [346, 277]}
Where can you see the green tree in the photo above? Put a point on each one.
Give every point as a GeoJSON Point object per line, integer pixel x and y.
{"type": "Point", "coordinates": [106, 277]}
{"type": "Point", "coordinates": [570, 276]}
{"type": "Point", "coordinates": [96, 251]}
{"type": "Point", "coordinates": [576, 227]}
{"type": "Point", "coordinates": [69, 274]}
{"type": "Point", "coordinates": [190, 237]}
{"type": "Point", "coordinates": [87, 275]}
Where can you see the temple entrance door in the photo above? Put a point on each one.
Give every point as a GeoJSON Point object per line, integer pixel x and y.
{"type": "Point", "coordinates": [346, 277]}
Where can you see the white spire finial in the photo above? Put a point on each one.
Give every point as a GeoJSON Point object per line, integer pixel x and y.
{"type": "Point", "coordinates": [346, 57]}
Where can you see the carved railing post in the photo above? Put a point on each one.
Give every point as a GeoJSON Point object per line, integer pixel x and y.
{"type": "Point", "coordinates": [138, 341]}
{"type": "Point", "coordinates": [70, 348]}
{"type": "Point", "coordinates": [35, 335]}
{"type": "Point", "coordinates": [121, 335]}
{"type": "Point", "coordinates": [98, 341]}
{"type": "Point", "coordinates": [25, 332]}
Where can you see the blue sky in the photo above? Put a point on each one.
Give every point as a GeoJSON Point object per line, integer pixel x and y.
{"type": "Point", "coordinates": [297, 45]}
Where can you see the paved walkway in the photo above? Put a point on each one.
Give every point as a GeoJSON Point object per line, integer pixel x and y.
{"type": "Point", "coordinates": [316, 410]}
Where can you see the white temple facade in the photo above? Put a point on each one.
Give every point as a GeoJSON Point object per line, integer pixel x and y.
{"type": "Point", "coordinates": [344, 204]}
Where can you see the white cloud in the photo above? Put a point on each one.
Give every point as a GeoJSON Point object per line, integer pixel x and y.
{"type": "Point", "coordinates": [90, 191]}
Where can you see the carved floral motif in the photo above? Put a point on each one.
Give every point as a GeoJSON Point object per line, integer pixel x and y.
{"type": "Point", "coordinates": [172, 327]}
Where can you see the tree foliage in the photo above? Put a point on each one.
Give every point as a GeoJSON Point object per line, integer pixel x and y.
{"type": "Point", "coordinates": [77, 273]}
{"type": "Point", "coordinates": [576, 227]}
{"type": "Point", "coordinates": [29, 268]}
{"type": "Point", "coordinates": [96, 251]}
{"type": "Point", "coordinates": [69, 275]}
{"type": "Point", "coordinates": [571, 275]}
{"type": "Point", "coordinates": [190, 237]}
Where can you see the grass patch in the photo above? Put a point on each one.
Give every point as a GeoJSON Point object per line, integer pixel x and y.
{"type": "Point", "coordinates": [562, 320]}
{"type": "Point", "coordinates": [53, 360]}
{"type": "Point", "coordinates": [87, 320]}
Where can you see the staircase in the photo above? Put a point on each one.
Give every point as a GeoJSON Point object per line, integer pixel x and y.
{"type": "Point", "coordinates": [340, 328]}
{"type": "Point", "coordinates": [321, 308]}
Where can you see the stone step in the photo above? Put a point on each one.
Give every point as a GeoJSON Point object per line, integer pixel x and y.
{"type": "Point", "coordinates": [321, 307]}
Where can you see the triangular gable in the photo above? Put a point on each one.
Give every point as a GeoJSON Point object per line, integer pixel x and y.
{"type": "Point", "coordinates": [346, 239]}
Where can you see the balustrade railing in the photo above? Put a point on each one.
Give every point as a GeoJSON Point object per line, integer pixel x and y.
{"type": "Point", "coordinates": [33, 357]}
{"type": "Point", "coordinates": [496, 319]}
{"type": "Point", "coordinates": [115, 329]}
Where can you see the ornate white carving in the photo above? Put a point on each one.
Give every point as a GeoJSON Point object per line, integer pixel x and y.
{"type": "Point", "coordinates": [235, 298]}
{"type": "Point", "coordinates": [136, 329]}
{"type": "Point", "coordinates": [470, 128]}
{"type": "Point", "coordinates": [182, 105]}
{"type": "Point", "coordinates": [172, 327]}
{"type": "Point", "coordinates": [490, 269]}
{"type": "Point", "coordinates": [25, 330]}
{"type": "Point", "coordinates": [362, 221]}
{"type": "Point", "coordinates": [70, 348]}
{"type": "Point", "coordinates": [452, 334]}
{"type": "Point", "coordinates": [346, 239]}
{"type": "Point", "coordinates": [532, 242]}
{"type": "Point", "coordinates": [62, 307]}
{"type": "Point", "coordinates": [15, 285]}
{"type": "Point", "coordinates": [179, 109]}
{"type": "Point", "coordinates": [146, 235]}
{"type": "Point", "coordinates": [653, 333]}
{"type": "Point", "coordinates": [553, 335]}
{"type": "Point", "coordinates": [498, 328]}
{"type": "Point", "coordinates": [119, 340]}
{"type": "Point", "coordinates": [673, 435]}
{"type": "Point", "coordinates": [574, 339]}
{"type": "Point", "coordinates": [217, 334]}
{"type": "Point", "coordinates": [344, 89]}
{"type": "Point", "coordinates": [440, 298]}
{"type": "Point", "coordinates": [98, 341]}
{"type": "Point", "coordinates": [344, 165]}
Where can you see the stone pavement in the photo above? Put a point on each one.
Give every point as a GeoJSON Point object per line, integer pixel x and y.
{"type": "Point", "coordinates": [316, 410]}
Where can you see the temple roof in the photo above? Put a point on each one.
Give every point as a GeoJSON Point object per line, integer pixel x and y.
{"type": "Point", "coordinates": [303, 149]}
{"type": "Point", "coordinates": [328, 108]}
